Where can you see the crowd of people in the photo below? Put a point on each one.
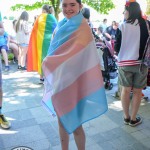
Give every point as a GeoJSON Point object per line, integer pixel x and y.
{"type": "Point", "coordinates": [56, 50]}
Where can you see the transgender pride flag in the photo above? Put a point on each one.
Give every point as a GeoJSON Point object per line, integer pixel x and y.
{"type": "Point", "coordinates": [73, 81]}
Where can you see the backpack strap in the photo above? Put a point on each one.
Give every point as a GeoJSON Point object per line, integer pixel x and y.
{"type": "Point", "coordinates": [148, 28]}
{"type": "Point", "coordinates": [145, 49]}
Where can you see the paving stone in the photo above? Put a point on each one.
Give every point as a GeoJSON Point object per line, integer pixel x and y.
{"type": "Point", "coordinates": [32, 125]}
{"type": "Point", "coordinates": [139, 146]}
{"type": "Point", "coordinates": [106, 146]}
{"type": "Point", "coordinates": [138, 135]}
{"type": "Point", "coordinates": [23, 135]}
{"type": "Point", "coordinates": [50, 133]}
{"type": "Point", "coordinates": [99, 138]}
{"type": "Point", "coordinates": [22, 124]}
{"type": "Point", "coordinates": [146, 142]}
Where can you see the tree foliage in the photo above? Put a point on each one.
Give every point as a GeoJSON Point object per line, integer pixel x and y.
{"type": "Point", "coordinates": [101, 6]}
{"type": "Point", "coordinates": [148, 7]}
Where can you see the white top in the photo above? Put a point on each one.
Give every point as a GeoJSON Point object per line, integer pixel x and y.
{"type": "Point", "coordinates": [130, 41]}
{"type": "Point", "coordinates": [23, 34]}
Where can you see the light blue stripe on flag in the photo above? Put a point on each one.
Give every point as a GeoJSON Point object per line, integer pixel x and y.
{"type": "Point", "coordinates": [88, 108]}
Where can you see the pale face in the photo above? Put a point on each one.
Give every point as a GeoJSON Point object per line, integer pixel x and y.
{"type": "Point", "coordinates": [70, 8]}
{"type": "Point", "coordinates": [44, 11]}
{"type": "Point", "coordinates": [126, 14]}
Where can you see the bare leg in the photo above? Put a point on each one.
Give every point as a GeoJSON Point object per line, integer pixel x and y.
{"type": "Point", "coordinates": [23, 56]}
{"type": "Point", "coordinates": [64, 137]}
{"type": "Point", "coordinates": [5, 56]}
{"type": "Point", "coordinates": [125, 99]}
{"type": "Point", "coordinates": [79, 137]}
{"type": "Point", "coordinates": [136, 100]}
{"type": "Point", "coordinates": [14, 48]}
{"type": "Point", "coordinates": [41, 76]}
{"type": "Point", "coordinates": [19, 56]}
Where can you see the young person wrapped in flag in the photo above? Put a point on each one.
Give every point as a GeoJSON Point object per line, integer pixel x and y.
{"type": "Point", "coordinates": [40, 40]}
{"type": "Point", "coordinates": [73, 82]}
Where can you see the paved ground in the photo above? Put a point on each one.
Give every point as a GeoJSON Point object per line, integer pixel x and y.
{"type": "Point", "coordinates": [33, 127]}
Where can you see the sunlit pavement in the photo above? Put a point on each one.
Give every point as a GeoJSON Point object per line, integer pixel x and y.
{"type": "Point", "coordinates": [33, 127]}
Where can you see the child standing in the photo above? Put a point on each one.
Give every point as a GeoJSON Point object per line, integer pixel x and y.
{"type": "Point", "coordinates": [22, 36]}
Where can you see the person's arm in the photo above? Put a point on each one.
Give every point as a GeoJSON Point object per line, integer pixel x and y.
{"type": "Point", "coordinates": [118, 41]}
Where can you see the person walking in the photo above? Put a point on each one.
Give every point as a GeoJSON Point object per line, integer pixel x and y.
{"type": "Point", "coordinates": [131, 38]}
{"type": "Point", "coordinates": [74, 90]}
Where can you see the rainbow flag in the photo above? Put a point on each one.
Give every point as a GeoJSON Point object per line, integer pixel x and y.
{"type": "Point", "coordinates": [39, 41]}
{"type": "Point", "coordinates": [73, 81]}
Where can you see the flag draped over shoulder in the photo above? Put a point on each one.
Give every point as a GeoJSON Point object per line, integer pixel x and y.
{"type": "Point", "coordinates": [73, 85]}
{"type": "Point", "coordinates": [39, 41]}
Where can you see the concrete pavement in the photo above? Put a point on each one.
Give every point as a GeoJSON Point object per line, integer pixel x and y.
{"type": "Point", "coordinates": [33, 127]}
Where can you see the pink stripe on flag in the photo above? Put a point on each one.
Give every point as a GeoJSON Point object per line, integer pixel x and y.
{"type": "Point", "coordinates": [52, 62]}
{"type": "Point", "coordinates": [87, 83]}
{"type": "Point", "coordinates": [75, 44]}
{"type": "Point", "coordinates": [77, 38]}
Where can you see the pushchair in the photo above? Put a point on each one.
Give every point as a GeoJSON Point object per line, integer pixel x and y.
{"type": "Point", "coordinates": [109, 70]}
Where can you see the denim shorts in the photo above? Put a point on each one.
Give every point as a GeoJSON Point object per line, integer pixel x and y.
{"type": "Point", "coordinates": [4, 47]}
{"type": "Point", "coordinates": [130, 76]}
{"type": "Point", "coordinates": [23, 45]}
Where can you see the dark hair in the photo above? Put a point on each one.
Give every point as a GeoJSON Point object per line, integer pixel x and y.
{"type": "Point", "coordinates": [86, 13]}
{"type": "Point", "coordinates": [104, 20]}
{"type": "Point", "coordinates": [134, 12]}
{"type": "Point", "coordinates": [114, 23]}
{"type": "Point", "coordinates": [79, 1]}
{"type": "Point", "coordinates": [14, 22]}
{"type": "Point", "coordinates": [23, 17]}
{"type": "Point", "coordinates": [48, 9]}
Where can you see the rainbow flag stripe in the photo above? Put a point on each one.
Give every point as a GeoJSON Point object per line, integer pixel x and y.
{"type": "Point", "coordinates": [39, 41]}
{"type": "Point", "coordinates": [73, 81]}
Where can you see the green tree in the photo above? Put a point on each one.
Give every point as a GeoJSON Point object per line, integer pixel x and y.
{"type": "Point", "coordinates": [101, 6]}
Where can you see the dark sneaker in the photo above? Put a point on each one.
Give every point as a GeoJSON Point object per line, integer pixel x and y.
{"type": "Point", "coordinates": [41, 81]}
{"type": "Point", "coordinates": [4, 123]}
{"type": "Point", "coordinates": [19, 67]}
{"type": "Point", "coordinates": [136, 122]}
{"type": "Point", "coordinates": [126, 121]}
{"type": "Point", "coordinates": [7, 68]}
{"type": "Point", "coordinates": [23, 68]}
